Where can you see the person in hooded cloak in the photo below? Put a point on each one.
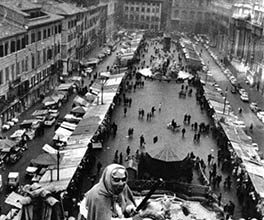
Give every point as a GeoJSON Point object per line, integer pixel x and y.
{"type": "Point", "coordinates": [111, 196]}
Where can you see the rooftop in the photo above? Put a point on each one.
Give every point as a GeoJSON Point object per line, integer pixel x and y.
{"type": "Point", "coordinates": [7, 29]}
{"type": "Point", "coordinates": [62, 8]}
{"type": "Point", "coordinates": [45, 19]}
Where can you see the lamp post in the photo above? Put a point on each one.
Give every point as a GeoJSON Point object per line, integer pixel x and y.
{"type": "Point", "coordinates": [103, 81]}
{"type": "Point", "coordinates": [225, 100]}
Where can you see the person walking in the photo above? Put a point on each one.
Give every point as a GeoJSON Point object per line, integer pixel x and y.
{"type": "Point", "coordinates": [128, 151]}
{"type": "Point", "coordinates": [183, 132]}
{"type": "Point", "coordinates": [99, 167]}
{"type": "Point", "coordinates": [116, 157]}
{"type": "Point", "coordinates": [120, 158]}
{"type": "Point", "coordinates": [160, 107]}
{"type": "Point", "coordinates": [142, 140]}
{"type": "Point", "coordinates": [125, 111]}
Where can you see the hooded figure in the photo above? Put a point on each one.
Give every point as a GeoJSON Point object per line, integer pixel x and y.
{"type": "Point", "coordinates": [111, 197]}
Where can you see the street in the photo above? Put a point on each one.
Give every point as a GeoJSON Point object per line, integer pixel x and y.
{"type": "Point", "coordinates": [247, 115]}
{"type": "Point", "coordinates": [35, 146]}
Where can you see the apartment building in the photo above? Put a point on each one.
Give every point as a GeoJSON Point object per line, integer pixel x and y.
{"type": "Point", "coordinates": [190, 15]}
{"type": "Point", "coordinates": [29, 55]}
{"type": "Point", "coordinates": [247, 39]}
{"type": "Point", "coordinates": [146, 14]}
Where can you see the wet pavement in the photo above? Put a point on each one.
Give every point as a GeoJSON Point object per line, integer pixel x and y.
{"type": "Point", "coordinates": [254, 96]}
{"type": "Point", "coordinates": [173, 107]}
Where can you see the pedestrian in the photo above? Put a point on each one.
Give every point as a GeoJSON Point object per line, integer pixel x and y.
{"type": "Point", "coordinates": [195, 126]}
{"type": "Point", "coordinates": [125, 111]}
{"type": "Point", "coordinates": [130, 102]}
{"type": "Point", "coordinates": [185, 118]}
{"type": "Point", "coordinates": [142, 140]}
{"type": "Point", "coordinates": [251, 127]}
{"type": "Point", "coordinates": [116, 157]}
{"type": "Point", "coordinates": [183, 132]}
{"type": "Point", "coordinates": [99, 166]}
{"type": "Point", "coordinates": [153, 111]}
{"type": "Point", "coordinates": [142, 113]}
{"type": "Point", "coordinates": [189, 119]}
{"type": "Point", "coordinates": [120, 158]}
{"type": "Point", "coordinates": [198, 137]}
{"type": "Point", "coordinates": [194, 137]}
{"type": "Point", "coordinates": [219, 198]}
{"type": "Point", "coordinates": [160, 107]}
{"type": "Point", "coordinates": [128, 150]}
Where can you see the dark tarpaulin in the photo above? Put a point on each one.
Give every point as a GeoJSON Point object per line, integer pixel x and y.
{"type": "Point", "coordinates": [168, 170]}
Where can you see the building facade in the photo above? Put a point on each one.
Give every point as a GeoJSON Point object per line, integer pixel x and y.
{"type": "Point", "coordinates": [147, 14]}
{"type": "Point", "coordinates": [30, 55]}
{"type": "Point", "coordinates": [219, 30]}
{"type": "Point", "coordinates": [248, 41]}
{"type": "Point", "coordinates": [111, 24]}
{"type": "Point", "coordinates": [190, 16]}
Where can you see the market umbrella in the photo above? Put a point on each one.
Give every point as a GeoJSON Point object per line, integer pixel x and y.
{"type": "Point", "coordinates": [164, 152]}
{"type": "Point", "coordinates": [78, 110]}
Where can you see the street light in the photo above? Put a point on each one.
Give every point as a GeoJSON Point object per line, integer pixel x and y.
{"type": "Point", "coordinates": [103, 81]}
{"type": "Point", "coordinates": [225, 100]}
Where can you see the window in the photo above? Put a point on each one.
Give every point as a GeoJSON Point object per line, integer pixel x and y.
{"type": "Point", "coordinates": [13, 71]}
{"type": "Point", "coordinates": [148, 10]}
{"type": "Point", "coordinates": [142, 17]}
{"type": "Point", "coordinates": [157, 10]}
{"type": "Point", "coordinates": [38, 58]}
{"type": "Point", "coordinates": [132, 9]}
{"type": "Point", "coordinates": [23, 65]}
{"type": "Point", "coordinates": [6, 48]}
{"type": "Point", "coordinates": [176, 13]}
{"type": "Point", "coordinates": [26, 39]}
{"type": "Point", "coordinates": [23, 43]}
{"type": "Point", "coordinates": [153, 10]}
{"type": "Point", "coordinates": [137, 9]}
{"type": "Point", "coordinates": [1, 50]}
{"type": "Point", "coordinates": [49, 32]}
{"type": "Point", "coordinates": [126, 8]}
{"type": "Point", "coordinates": [18, 45]}
{"type": "Point", "coordinates": [18, 68]}
{"type": "Point", "coordinates": [59, 27]}
{"type": "Point", "coordinates": [26, 64]}
{"type": "Point", "coordinates": [56, 29]}
{"type": "Point", "coordinates": [1, 77]}
{"type": "Point", "coordinates": [32, 61]}
{"type": "Point", "coordinates": [147, 18]}
{"type": "Point", "coordinates": [39, 35]}
{"type": "Point", "coordinates": [13, 46]}
{"type": "Point", "coordinates": [142, 9]}
{"type": "Point", "coordinates": [33, 37]}
{"type": "Point", "coordinates": [44, 55]}
{"type": "Point", "coordinates": [7, 74]}
{"type": "Point", "coordinates": [44, 34]}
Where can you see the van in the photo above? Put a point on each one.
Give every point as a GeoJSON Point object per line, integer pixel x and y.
{"type": "Point", "coordinates": [12, 180]}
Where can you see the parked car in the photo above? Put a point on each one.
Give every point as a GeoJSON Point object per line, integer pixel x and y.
{"type": "Point", "coordinates": [101, 56]}
{"type": "Point", "coordinates": [50, 120]}
{"type": "Point", "coordinates": [15, 155]}
{"type": "Point", "coordinates": [260, 115]}
{"type": "Point", "coordinates": [31, 171]}
{"type": "Point", "coordinates": [89, 70]}
{"type": "Point", "coordinates": [244, 97]}
{"type": "Point", "coordinates": [242, 91]}
{"type": "Point", "coordinates": [54, 112]}
{"type": "Point", "coordinates": [254, 107]}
